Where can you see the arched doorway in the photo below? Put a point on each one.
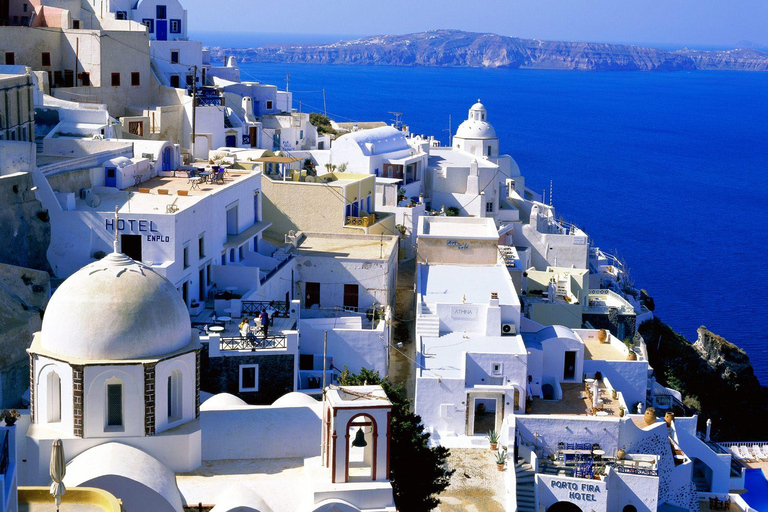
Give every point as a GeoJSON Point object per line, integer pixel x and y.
{"type": "Point", "coordinates": [564, 506]}
{"type": "Point", "coordinates": [548, 392]}
{"type": "Point", "coordinates": [629, 508]}
{"type": "Point", "coordinates": [361, 460]}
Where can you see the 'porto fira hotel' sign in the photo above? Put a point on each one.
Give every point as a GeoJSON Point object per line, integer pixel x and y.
{"type": "Point", "coordinates": [454, 243]}
{"type": "Point", "coordinates": [138, 226]}
{"type": "Point", "coordinates": [577, 491]}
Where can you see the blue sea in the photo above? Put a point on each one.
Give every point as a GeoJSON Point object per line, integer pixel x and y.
{"type": "Point", "coordinates": [669, 169]}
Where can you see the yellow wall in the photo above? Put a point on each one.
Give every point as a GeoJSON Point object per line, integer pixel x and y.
{"type": "Point", "coordinates": [73, 496]}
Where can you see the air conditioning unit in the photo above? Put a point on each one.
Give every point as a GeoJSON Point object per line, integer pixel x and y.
{"type": "Point", "coordinates": [84, 193]}
{"type": "Point", "coordinates": [508, 329]}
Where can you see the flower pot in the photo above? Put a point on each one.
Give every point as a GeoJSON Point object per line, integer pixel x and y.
{"type": "Point", "coordinates": [650, 416]}
{"type": "Point", "coordinates": [620, 454]}
{"type": "Point", "coordinates": [632, 356]}
{"type": "Point", "coordinates": [669, 418]}
{"type": "Point", "coordinates": [602, 336]}
{"type": "Point", "coordinates": [621, 413]}
{"type": "Point", "coordinates": [614, 394]}
{"type": "Point", "coordinates": [494, 446]}
{"type": "Point", "coordinates": [500, 467]}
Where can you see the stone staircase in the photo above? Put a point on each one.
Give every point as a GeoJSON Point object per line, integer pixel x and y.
{"type": "Point", "coordinates": [427, 323]}
{"type": "Point", "coordinates": [525, 483]}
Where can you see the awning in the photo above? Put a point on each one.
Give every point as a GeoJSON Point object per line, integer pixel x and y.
{"type": "Point", "coordinates": [235, 241]}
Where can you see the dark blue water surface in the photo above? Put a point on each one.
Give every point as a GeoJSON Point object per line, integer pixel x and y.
{"type": "Point", "coordinates": [669, 169]}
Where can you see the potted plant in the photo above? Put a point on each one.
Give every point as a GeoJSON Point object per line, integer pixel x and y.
{"type": "Point", "coordinates": [493, 438]}
{"type": "Point", "coordinates": [602, 336]}
{"type": "Point", "coordinates": [501, 460]}
{"type": "Point", "coordinates": [621, 453]}
{"type": "Point", "coordinates": [614, 394]}
{"type": "Point", "coordinates": [528, 405]}
{"type": "Point", "coordinates": [622, 411]}
{"type": "Point", "coordinates": [10, 417]}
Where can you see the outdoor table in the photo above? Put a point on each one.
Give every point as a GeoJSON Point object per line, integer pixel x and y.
{"type": "Point", "coordinates": [216, 328]}
{"type": "Point", "coordinates": [206, 176]}
{"type": "Point", "coordinates": [195, 183]}
{"type": "Point", "coordinates": [225, 319]}
{"type": "Point", "coordinates": [601, 413]}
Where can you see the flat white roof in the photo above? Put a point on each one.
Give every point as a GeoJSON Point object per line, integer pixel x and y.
{"type": "Point", "coordinates": [480, 228]}
{"type": "Point", "coordinates": [444, 356]}
{"type": "Point", "coordinates": [337, 245]}
{"type": "Point", "coordinates": [473, 284]}
{"type": "Point", "coordinates": [449, 157]}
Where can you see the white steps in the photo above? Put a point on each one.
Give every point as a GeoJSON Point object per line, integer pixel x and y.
{"type": "Point", "coordinates": [525, 483]}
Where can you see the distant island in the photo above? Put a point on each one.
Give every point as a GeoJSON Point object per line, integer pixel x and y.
{"type": "Point", "coordinates": [455, 48]}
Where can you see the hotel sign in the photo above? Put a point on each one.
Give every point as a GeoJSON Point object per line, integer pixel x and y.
{"type": "Point", "coordinates": [577, 491]}
{"type": "Point", "coordinates": [138, 226]}
{"type": "Point", "coordinates": [464, 312]}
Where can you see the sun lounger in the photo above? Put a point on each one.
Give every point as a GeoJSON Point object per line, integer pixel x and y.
{"type": "Point", "coordinates": [759, 453]}
{"type": "Point", "coordinates": [736, 452]}
{"type": "Point", "coordinates": [746, 454]}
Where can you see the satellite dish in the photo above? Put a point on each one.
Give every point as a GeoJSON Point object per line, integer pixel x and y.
{"type": "Point", "coordinates": [93, 200]}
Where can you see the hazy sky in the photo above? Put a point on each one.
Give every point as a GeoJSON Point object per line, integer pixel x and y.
{"type": "Point", "coordinates": [695, 22]}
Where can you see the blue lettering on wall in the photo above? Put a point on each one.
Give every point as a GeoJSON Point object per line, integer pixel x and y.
{"type": "Point", "coordinates": [141, 226]}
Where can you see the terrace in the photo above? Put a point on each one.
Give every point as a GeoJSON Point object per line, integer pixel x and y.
{"type": "Point", "coordinates": [576, 401]}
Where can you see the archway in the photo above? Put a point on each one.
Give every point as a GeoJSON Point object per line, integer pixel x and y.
{"type": "Point", "coordinates": [548, 392]}
{"type": "Point", "coordinates": [629, 508]}
{"type": "Point", "coordinates": [564, 506]}
{"type": "Point", "coordinates": [361, 460]}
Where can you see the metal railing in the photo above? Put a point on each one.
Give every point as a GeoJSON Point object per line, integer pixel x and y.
{"type": "Point", "coordinates": [678, 407]}
{"type": "Point", "coordinates": [280, 308]}
{"type": "Point", "coordinates": [627, 466]}
{"type": "Point", "coordinates": [254, 343]}
{"type": "Point", "coordinates": [276, 269]}
{"type": "Point", "coordinates": [362, 221]}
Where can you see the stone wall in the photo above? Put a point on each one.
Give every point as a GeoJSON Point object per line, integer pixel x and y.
{"type": "Point", "coordinates": [222, 375]}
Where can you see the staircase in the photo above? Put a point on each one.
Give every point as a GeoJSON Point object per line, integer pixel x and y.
{"type": "Point", "coordinates": [525, 483]}
{"type": "Point", "coordinates": [427, 323]}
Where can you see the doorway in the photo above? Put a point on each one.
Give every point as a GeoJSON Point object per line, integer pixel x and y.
{"type": "Point", "coordinates": [201, 287]}
{"type": "Point", "coordinates": [131, 246]}
{"type": "Point", "coordinates": [351, 296]}
{"type": "Point", "coordinates": [485, 412]}
{"type": "Point", "coordinates": [231, 141]}
{"type": "Point", "coordinates": [167, 159]}
{"type": "Point", "coordinates": [485, 415]}
{"type": "Point", "coordinates": [564, 506]}
{"type": "Point", "coordinates": [312, 295]}
{"type": "Point", "coordinates": [569, 365]}
{"type": "Point", "coordinates": [361, 451]}
{"type": "Point", "coordinates": [110, 177]}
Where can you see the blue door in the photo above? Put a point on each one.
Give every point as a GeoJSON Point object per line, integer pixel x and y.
{"type": "Point", "coordinates": [161, 30]}
{"type": "Point", "coordinates": [110, 177]}
{"type": "Point", "coordinates": [255, 211]}
{"type": "Point", "coordinates": [167, 159]}
{"type": "Point", "coordinates": [231, 141]}
{"type": "Point", "coordinates": [354, 209]}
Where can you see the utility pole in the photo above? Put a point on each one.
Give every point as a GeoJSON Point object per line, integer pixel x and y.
{"type": "Point", "coordinates": [194, 111]}
{"type": "Point", "coordinates": [325, 107]}
{"type": "Point", "coordinates": [396, 121]}
{"type": "Point", "coordinates": [287, 81]}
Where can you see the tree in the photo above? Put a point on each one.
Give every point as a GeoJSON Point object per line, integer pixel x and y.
{"type": "Point", "coordinates": [418, 473]}
{"type": "Point", "coordinates": [322, 123]}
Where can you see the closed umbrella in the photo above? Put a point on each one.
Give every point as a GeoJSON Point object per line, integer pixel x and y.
{"type": "Point", "coordinates": [58, 470]}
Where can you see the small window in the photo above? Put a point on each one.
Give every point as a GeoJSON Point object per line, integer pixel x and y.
{"type": "Point", "coordinates": [489, 207]}
{"type": "Point", "coordinates": [186, 256]}
{"type": "Point", "coordinates": [121, 15]}
{"type": "Point", "coordinates": [189, 81]}
{"type": "Point", "coordinates": [136, 128]}
{"type": "Point", "coordinates": [201, 246]}
{"type": "Point", "coordinates": [76, 24]}
{"type": "Point", "coordinates": [174, 56]}
{"type": "Point", "coordinates": [115, 79]}
{"type": "Point", "coordinates": [241, 253]}
{"type": "Point", "coordinates": [249, 377]}
{"type": "Point", "coordinates": [174, 405]}
{"type": "Point", "coordinates": [496, 368]}
{"type": "Point", "coordinates": [224, 258]}
{"type": "Point", "coordinates": [85, 79]}
{"type": "Point", "coordinates": [135, 79]}
{"type": "Point", "coordinates": [24, 7]}
{"type": "Point", "coordinates": [175, 81]}
{"type": "Point", "coordinates": [301, 134]}
{"type": "Point", "coordinates": [269, 104]}
{"type": "Point", "coordinates": [150, 24]}
{"type": "Point", "coordinates": [114, 405]}
{"type": "Point", "coordinates": [175, 27]}
{"type": "Point", "coordinates": [46, 59]}
{"type": "Point", "coordinates": [489, 150]}
{"type": "Point", "coordinates": [10, 58]}
{"type": "Point", "coordinates": [160, 12]}
{"type": "Point", "coordinates": [54, 397]}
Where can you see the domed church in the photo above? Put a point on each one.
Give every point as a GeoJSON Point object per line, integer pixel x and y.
{"type": "Point", "coordinates": [476, 135]}
{"type": "Point", "coordinates": [115, 360]}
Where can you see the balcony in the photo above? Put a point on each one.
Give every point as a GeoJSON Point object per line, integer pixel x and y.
{"type": "Point", "coordinates": [363, 221]}
{"type": "Point", "coordinates": [254, 343]}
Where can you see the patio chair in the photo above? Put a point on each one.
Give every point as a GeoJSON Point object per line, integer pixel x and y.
{"type": "Point", "coordinates": [736, 452]}
{"type": "Point", "coordinates": [759, 453]}
{"type": "Point", "coordinates": [746, 454]}
{"type": "Point", "coordinates": [219, 176]}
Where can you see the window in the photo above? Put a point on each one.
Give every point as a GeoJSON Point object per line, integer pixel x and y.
{"type": "Point", "coordinates": [76, 24]}
{"type": "Point", "coordinates": [85, 78]}
{"type": "Point", "coordinates": [301, 134]}
{"type": "Point", "coordinates": [174, 56]}
{"type": "Point", "coordinates": [208, 275]}
{"type": "Point", "coordinates": [160, 12]}
{"type": "Point", "coordinates": [201, 246]}
{"type": "Point", "coordinates": [115, 79]}
{"type": "Point", "coordinates": [175, 27]}
{"type": "Point", "coordinates": [496, 368]}
{"type": "Point", "coordinates": [189, 81]}
{"type": "Point", "coordinates": [313, 295]}
{"type": "Point", "coordinates": [121, 15]}
{"type": "Point", "coordinates": [249, 377]}
{"type": "Point", "coordinates": [53, 383]}
{"type": "Point", "coordinates": [24, 7]}
{"type": "Point", "coordinates": [186, 256]}
{"type": "Point", "coordinates": [10, 58]}
{"type": "Point", "coordinates": [241, 253]}
{"type": "Point", "coordinates": [46, 59]}
{"type": "Point", "coordinates": [224, 258]}
{"type": "Point", "coordinates": [269, 104]}
{"type": "Point", "coordinates": [174, 396]}
{"type": "Point", "coordinates": [232, 221]}
{"type": "Point", "coordinates": [489, 207]}
{"type": "Point", "coordinates": [150, 24]}
{"type": "Point", "coordinates": [136, 128]}
{"type": "Point", "coordinates": [114, 405]}
{"type": "Point", "coordinates": [350, 296]}
{"type": "Point", "coordinates": [175, 81]}
{"type": "Point", "coordinates": [135, 79]}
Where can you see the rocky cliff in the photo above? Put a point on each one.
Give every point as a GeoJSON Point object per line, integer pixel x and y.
{"type": "Point", "coordinates": [25, 227]}
{"type": "Point", "coordinates": [714, 376]}
{"type": "Point", "coordinates": [453, 48]}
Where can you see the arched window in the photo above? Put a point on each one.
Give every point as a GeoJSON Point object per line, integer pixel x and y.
{"type": "Point", "coordinates": [517, 399]}
{"type": "Point", "coordinates": [114, 404]}
{"type": "Point", "coordinates": [174, 396]}
{"type": "Point", "coordinates": [53, 385]}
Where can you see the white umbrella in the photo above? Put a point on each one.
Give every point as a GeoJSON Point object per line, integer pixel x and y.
{"type": "Point", "coordinates": [58, 470]}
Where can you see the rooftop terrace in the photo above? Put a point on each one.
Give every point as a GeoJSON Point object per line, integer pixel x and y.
{"type": "Point", "coordinates": [576, 402]}
{"type": "Point", "coordinates": [368, 247]}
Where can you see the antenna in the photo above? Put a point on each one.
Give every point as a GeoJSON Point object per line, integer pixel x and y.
{"type": "Point", "coordinates": [450, 132]}
{"type": "Point", "coordinates": [396, 122]}
{"type": "Point", "coordinates": [116, 243]}
{"type": "Point", "coordinates": [550, 192]}
{"type": "Point", "coordinates": [287, 81]}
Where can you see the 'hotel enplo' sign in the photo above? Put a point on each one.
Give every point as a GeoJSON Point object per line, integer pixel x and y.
{"type": "Point", "coordinates": [138, 226]}
{"type": "Point", "coordinates": [577, 491]}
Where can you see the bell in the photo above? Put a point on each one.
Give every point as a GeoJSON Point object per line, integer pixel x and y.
{"type": "Point", "coordinates": [359, 441]}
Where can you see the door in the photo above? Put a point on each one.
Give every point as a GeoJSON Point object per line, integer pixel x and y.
{"type": "Point", "coordinates": [110, 177]}
{"type": "Point", "coordinates": [201, 287]}
{"type": "Point", "coordinates": [167, 159]}
{"type": "Point", "coordinates": [350, 296]}
{"type": "Point", "coordinates": [569, 366]}
{"type": "Point", "coordinates": [131, 246]}
{"type": "Point", "coordinates": [255, 216]}
{"type": "Point", "coordinates": [312, 295]}
{"type": "Point", "coordinates": [252, 135]}
{"type": "Point", "coordinates": [161, 30]}
{"type": "Point", "coordinates": [231, 141]}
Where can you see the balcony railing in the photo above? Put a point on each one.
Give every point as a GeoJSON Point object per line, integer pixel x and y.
{"type": "Point", "coordinates": [254, 343]}
{"type": "Point", "coordinates": [362, 221]}
{"type": "Point", "coordinates": [630, 467]}
{"type": "Point", "coordinates": [280, 308]}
